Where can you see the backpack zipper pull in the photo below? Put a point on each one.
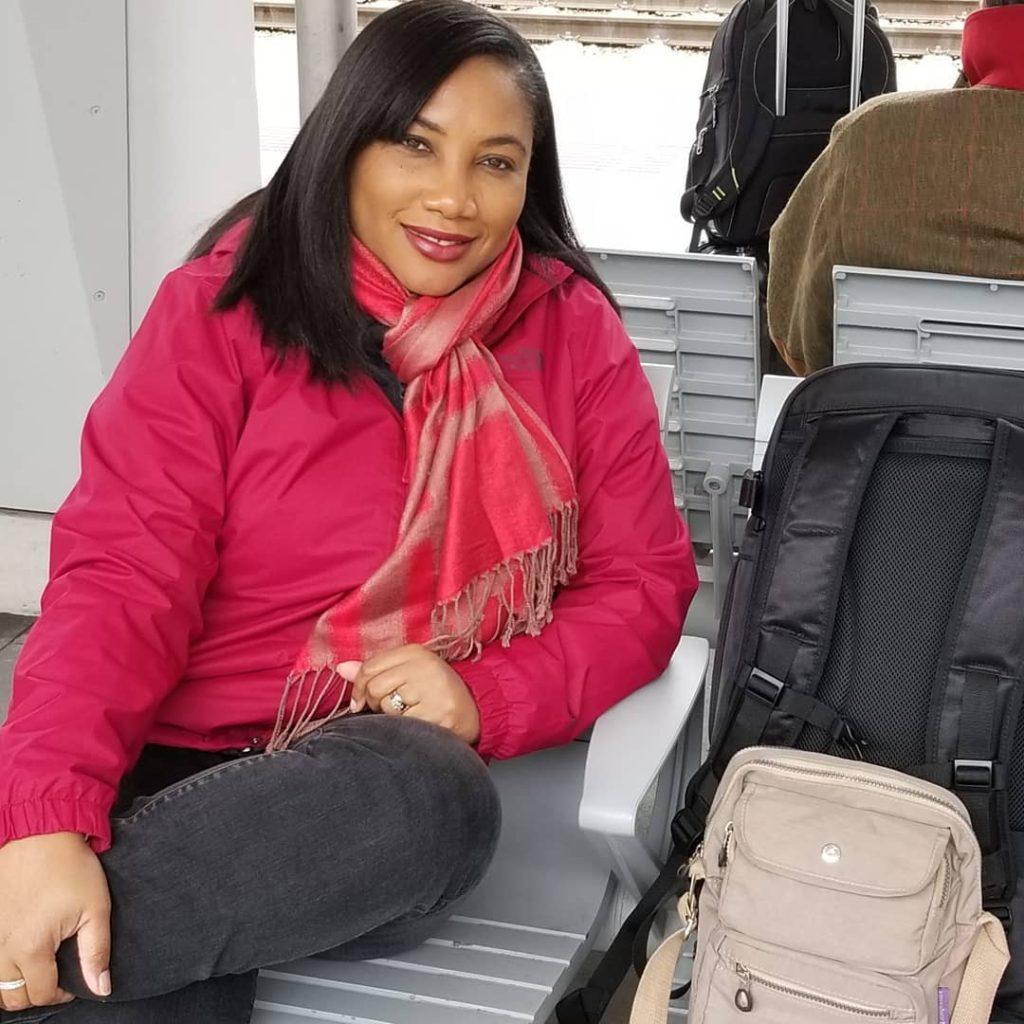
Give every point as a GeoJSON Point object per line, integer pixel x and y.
{"type": "Point", "coordinates": [744, 1000]}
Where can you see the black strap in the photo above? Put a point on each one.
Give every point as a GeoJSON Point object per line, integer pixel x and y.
{"type": "Point", "coordinates": [587, 1005]}
{"type": "Point", "coordinates": [978, 686]}
{"type": "Point", "coordinates": [698, 230]}
{"type": "Point", "coordinates": [812, 541]}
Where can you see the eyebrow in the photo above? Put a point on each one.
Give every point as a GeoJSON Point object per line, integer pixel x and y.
{"type": "Point", "coordinates": [496, 140]}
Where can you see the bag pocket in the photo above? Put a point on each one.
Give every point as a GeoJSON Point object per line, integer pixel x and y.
{"type": "Point", "coordinates": [744, 982]}
{"type": "Point", "coordinates": [835, 880]}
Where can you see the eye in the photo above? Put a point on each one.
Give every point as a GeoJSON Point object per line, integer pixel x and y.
{"type": "Point", "coordinates": [499, 163]}
{"type": "Point", "coordinates": [416, 144]}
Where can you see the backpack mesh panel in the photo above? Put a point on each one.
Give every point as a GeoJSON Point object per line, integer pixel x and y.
{"type": "Point", "coordinates": [912, 536]}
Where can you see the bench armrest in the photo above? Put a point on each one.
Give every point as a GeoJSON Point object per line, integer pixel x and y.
{"type": "Point", "coordinates": [631, 745]}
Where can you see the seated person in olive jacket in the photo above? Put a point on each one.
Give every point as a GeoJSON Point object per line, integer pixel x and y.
{"type": "Point", "coordinates": [929, 181]}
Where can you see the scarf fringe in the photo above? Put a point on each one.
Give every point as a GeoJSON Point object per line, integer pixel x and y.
{"type": "Point", "coordinates": [456, 624]}
{"type": "Point", "coordinates": [320, 681]}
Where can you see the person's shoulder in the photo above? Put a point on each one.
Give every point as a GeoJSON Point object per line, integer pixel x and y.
{"type": "Point", "coordinates": [568, 289]}
{"type": "Point", "coordinates": [183, 319]}
{"type": "Point", "coordinates": [898, 111]}
{"type": "Point", "coordinates": [593, 326]}
{"type": "Point", "coordinates": [208, 273]}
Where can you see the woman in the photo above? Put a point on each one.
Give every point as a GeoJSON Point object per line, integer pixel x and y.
{"type": "Point", "coordinates": [268, 533]}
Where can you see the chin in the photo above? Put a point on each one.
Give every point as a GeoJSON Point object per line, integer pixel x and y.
{"type": "Point", "coordinates": [435, 284]}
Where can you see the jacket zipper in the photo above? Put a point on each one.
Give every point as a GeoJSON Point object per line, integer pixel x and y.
{"type": "Point", "coordinates": [744, 998]}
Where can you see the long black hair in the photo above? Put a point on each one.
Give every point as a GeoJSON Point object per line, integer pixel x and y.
{"type": "Point", "coordinates": [294, 262]}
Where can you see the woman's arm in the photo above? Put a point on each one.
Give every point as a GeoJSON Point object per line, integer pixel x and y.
{"type": "Point", "coordinates": [132, 551]}
{"type": "Point", "coordinates": [618, 621]}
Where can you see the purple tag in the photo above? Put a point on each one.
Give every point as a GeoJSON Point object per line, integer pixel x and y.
{"type": "Point", "coordinates": [944, 1014]}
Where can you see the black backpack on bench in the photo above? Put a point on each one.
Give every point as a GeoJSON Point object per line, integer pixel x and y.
{"type": "Point", "coordinates": [876, 611]}
{"type": "Point", "coordinates": [746, 161]}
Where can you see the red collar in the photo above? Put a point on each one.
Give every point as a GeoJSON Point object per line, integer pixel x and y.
{"type": "Point", "coordinates": [993, 47]}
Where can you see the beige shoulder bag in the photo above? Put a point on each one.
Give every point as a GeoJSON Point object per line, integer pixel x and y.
{"type": "Point", "coordinates": [832, 891]}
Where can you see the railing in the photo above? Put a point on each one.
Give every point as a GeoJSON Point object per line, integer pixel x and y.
{"type": "Point", "coordinates": [914, 27]}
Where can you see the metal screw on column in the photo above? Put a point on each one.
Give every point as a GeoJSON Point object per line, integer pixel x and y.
{"type": "Point", "coordinates": [95, 111]}
{"type": "Point", "coordinates": [99, 296]}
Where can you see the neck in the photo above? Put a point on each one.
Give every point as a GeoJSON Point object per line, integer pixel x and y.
{"type": "Point", "coordinates": [993, 47]}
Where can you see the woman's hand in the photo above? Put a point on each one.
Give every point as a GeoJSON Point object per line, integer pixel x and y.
{"type": "Point", "coordinates": [430, 688]}
{"type": "Point", "coordinates": [51, 887]}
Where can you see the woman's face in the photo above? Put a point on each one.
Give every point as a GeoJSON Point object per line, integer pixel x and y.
{"type": "Point", "coordinates": [439, 206]}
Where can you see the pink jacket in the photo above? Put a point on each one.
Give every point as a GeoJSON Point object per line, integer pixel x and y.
{"type": "Point", "coordinates": [226, 500]}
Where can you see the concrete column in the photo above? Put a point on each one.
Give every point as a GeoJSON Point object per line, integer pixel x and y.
{"type": "Point", "coordinates": [325, 30]}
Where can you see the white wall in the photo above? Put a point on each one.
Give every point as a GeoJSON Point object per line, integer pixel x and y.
{"type": "Point", "coordinates": [127, 127]}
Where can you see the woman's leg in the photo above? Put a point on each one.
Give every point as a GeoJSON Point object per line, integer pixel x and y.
{"type": "Point", "coordinates": [368, 823]}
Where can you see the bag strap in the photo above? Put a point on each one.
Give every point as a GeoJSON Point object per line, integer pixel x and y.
{"type": "Point", "coordinates": [587, 1005]}
{"type": "Point", "coordinates": [984, 970]}
{"type": "Point", "coordinates": [977, 700]}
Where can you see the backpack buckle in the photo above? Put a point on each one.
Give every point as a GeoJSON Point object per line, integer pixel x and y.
{"type": "Point", "coordinates": [973, 775]}
{"type": "Point", "coordinates": [687, 828]}
{"type": "Point", "coordinates": [1003, 914]}
{"type": "Point", "coordinates": [766, 688]}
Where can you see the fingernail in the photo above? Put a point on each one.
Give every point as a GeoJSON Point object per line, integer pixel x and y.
{"type": "Point", "coordinates": [356, 706]}
{"type": "Point", "coordinates": [348, 670]}
{"type": "Point", "coordinates": [104, 982]}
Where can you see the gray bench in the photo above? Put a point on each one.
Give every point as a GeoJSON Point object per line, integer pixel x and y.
{"type": "Point", "coordinates": [902, 316]}
{"type": "Point", "coordinates": [698, 315]}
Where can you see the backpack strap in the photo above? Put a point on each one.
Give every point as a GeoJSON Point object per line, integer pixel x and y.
{"type": "Point", "coordinates": [822, 500]}
{"type": "Point", "coordinates": [977, 699]}
{"type": "Point", "coordinates": [587, 1005]}
{"type": "Point", "coordinates": [774, 700]}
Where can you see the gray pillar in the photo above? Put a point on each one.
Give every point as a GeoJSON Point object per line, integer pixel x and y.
{"type": "Point", "coordinates": [324, 29]}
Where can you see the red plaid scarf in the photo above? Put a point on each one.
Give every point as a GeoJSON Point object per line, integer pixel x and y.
{"type": "Point", "coordinates": [489, 528]}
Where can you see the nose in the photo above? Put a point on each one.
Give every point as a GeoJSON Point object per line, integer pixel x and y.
{"type": "Point", "coordinates": [449, 193]}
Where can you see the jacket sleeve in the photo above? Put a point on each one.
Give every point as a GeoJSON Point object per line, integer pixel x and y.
{"type": "Point", "coordinates": [805, 245]}
{"type": "Point", "coordinates": [619, 619]}
{"type": "Point", "coordinates": [132, 550]}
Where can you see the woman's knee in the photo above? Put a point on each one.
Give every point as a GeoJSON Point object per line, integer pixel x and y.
{"type": "Point", "coordinates": [423, 782]}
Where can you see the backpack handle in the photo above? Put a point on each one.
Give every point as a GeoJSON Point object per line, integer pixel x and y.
{"type": "Point", "coordinates": [781, 55]}
{"type": "Point", "coordinates": [860, 17]}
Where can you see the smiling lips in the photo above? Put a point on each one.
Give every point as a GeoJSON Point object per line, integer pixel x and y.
{"type": "Point", "coordinates": [440, 246]}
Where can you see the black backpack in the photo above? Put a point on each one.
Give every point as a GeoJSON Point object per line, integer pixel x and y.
{"type": "Point", "coordinates": [876, 611]}
{"type": "Point", "coordinates": [746, 161]}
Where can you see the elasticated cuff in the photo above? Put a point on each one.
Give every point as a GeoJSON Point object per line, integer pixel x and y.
{"type": "Point", "coordinates": [43, 816]}
{"type": "Point", "coordinates": [490, 702]}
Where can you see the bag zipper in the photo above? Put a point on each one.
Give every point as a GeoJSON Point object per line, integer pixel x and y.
{"type": "Point", "coordinates": [744, 998]}
{"type": "Point", "coordinates": [711, 94]}
{"type": "Point", "coordinates": [890, 787]}
{"type": "Point", "coordinates": [947, 879]}
{"type": "Point", "coordinates": [725, 852]}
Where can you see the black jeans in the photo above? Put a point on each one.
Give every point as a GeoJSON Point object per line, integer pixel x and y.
{"type": "Point", "coordinates": [357, 842]}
